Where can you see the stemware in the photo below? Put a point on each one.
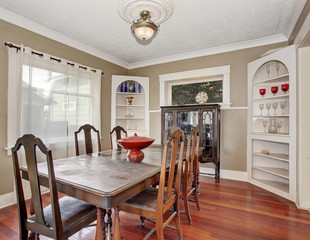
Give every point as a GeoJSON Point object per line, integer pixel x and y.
{"type": "Point", "coordinates": [274, 90]}
{"type": "Point", "coordinates": [265, 124]}
{"type": "Point", "coordinates": [268, 69]}
{"type": "Point", "coordinates": [285, 87]}
{"type": "Point", "coordinates": [275, 106]}
{"type": "Point", "coordinates": [277, 67]}
{"type": "Point", "coordinates": [283, 106]}
{"type": "Point", "coordinates": [261, 107]}
{"type": "Point", "coordinates": [262, 91]}
{"type": "Point", "coordinates": [279, 125]}
{"type": "Point", "coordinates": [268, 106]}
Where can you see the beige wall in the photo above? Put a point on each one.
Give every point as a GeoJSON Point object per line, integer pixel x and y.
{"type": "Point", "coordinates": [233, 134]}
{"type": "Point", "coordinates": [12, 33]}
{"type": "Point", "coordinates": [304, 126]}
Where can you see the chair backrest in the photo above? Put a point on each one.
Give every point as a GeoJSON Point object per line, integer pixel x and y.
{"type": "Point", "coordinates": [169, 132]}
{"type": "Point", "coordinates": [88, 141]}
{"type": "Point", "coordinates": [172, 158]}
{"type": "Point", "coordinates": [192, 153]}
{"type": "Point", "coordinates": [31, 144]}
{"type": "Point", "coordinates": [118, 134]}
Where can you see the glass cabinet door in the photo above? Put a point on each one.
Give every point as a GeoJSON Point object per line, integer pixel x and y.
{"type": "Point", "coordinates": [187, 120]}
{"type": "Point", "coordinates": [207, 132]}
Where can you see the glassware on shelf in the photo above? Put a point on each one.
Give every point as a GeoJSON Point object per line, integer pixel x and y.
{"type": "Point", "coordinates": [285, 87]}
{"type": "Point", "coordinates": [279, 125]}
{"type": "Point", "coordinates": [261, 107]}
{"type": "Point", "coordinates": [273, 126]}
{"type": "Point", "coordinates": [275, 106]}
{"type": "Point", "coordinates": [277, 67]}
{"type": "Point", "coordinates": [274, 89]}
{"type": "Point", "coordinates": [265, 122]}
{"type": "Point", "coordinates": [268, 106]}
{"type": "Point", "coordinates": [283, 106]}
{"type": "Point", "coordinates": [268, 69]}
{"type": "Point", "coordinates": [262, 91]}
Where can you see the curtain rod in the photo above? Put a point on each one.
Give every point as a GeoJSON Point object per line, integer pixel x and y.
{"type": "Point", "coordinates": [10, 45]}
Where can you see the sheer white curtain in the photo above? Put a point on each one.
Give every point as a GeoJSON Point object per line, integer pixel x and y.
{"type": "Point", "coordinates": [50, 99]}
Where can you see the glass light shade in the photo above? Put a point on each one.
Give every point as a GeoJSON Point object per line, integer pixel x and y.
{"type": "Point", "coordinates": [144, 33]}
{"type": "Point", "coordinates": [144, 28]}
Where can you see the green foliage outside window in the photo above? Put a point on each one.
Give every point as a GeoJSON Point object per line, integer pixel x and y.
{"type": "Point", "coordinates": [186, 93]}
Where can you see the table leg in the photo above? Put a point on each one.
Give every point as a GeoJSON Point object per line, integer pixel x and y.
{"type": "Point", "coordinates": [99, 232]}
{"type": "Point", "coordinates": [116, 229]}
{"type": "Point", "coordinates": [109, 224]}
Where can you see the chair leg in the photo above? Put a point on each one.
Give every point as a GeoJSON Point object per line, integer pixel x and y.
{"type": "Point", "coordinates": [178, 225]}
{"type": "Point", "coordinates": [186, 205]}
{"type": "Point", "coordinates": [142, 221]}
{"type": "Point", "coordinates": [196, 196]}
{"type": "Point", "coordinates": [159, 230]}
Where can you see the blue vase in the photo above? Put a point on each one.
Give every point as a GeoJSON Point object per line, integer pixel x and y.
{"type": "Point", "coordinates": [122, 87]}
{"type": "Point", "coordinates": [139, 87]}
{"type": "Point", "coordinates": [125, 90]}
{"type": "Point", "coordinates": [134, 87]}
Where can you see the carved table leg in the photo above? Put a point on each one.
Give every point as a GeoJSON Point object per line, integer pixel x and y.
{"type": "Point", "coordinates": [109, 224]}
{"type": "Point", "coordinates": [116, 229]}
{"type": "Point", "coordinates": [99, 232]}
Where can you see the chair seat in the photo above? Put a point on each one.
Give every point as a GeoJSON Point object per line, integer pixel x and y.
{"type": "Point", "coordinates": [73, 211]}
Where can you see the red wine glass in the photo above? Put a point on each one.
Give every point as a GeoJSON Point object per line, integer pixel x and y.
{"type": "Point", "coordinates": [274, 90]}
{"type": "Point", "coordinates": [285, 87]}
{"type": "Point", "coordinates": [262, 91]}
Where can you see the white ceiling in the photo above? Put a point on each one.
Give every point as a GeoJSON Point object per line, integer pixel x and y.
{"type": "Point", "coordinates": [196, 27]}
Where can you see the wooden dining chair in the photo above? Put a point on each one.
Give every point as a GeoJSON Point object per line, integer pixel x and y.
{"type": "Point", "coordinates": [88, 140]}
{"type": "Point", "coordinates": [191, 172]}
{"type": "Point", "coordinates": [63, 217]}
{"type": "Point", "coordinates": [168, 133]}
{"type": "Point", "coordinates": [119, 133]}
{"type": "Point", "coordinates": [154, 202]}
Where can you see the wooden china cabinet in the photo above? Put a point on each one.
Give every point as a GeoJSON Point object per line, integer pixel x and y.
{"type": "Point", "coordinates": [204, 116]}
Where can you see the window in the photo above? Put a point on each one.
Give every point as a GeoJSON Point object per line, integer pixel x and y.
{"type": "Point", "coordinates": [50, 100]}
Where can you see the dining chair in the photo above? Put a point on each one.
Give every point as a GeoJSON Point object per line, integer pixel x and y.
{"type": "Point", "coordinates": [191, 172]}
{"type": "Point", "coordinates": [63, 217]}
{"type": "Point", "coordinates": [88, 139]}
{"type": "Point", "coordinates": [153, 203]}
{"type": "Point", "coordinates": [119, 131]}
{"type": "Point", "coordinates": [169, 132]}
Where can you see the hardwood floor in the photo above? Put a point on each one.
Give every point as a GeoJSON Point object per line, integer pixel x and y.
{"type": "Point", "coordinates": [229, 210]}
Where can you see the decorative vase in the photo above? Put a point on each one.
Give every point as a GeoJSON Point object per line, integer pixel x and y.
{"type": "Point", "coordinates": [130, 99]}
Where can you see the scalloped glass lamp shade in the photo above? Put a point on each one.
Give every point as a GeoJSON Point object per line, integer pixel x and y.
{"type": "Point", "coordinates": [144, 28]}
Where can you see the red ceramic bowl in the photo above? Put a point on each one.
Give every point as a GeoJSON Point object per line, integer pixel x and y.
{"type": "Point", "coordinates": [262, 91]}
{"type": "Point", "coordinates": [285, 87]}
{"type": "Point", "coordinates": [274, 89]}
{"type": "Point", "coordinates": [135, 144]}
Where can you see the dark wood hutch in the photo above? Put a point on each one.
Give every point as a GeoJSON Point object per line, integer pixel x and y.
{"type": "Point", "coordinates": [204, 116]}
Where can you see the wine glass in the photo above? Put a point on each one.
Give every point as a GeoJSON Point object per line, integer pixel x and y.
{"type": "Point", "coordinates": [285, 87]}
{"type": "Point", "coordinates": [261, 107]}
{"type": "Point", "coordinates": [262, 91]}
{"type": "Point", "coordinates": [277, 67]}
{"type": "Point", "coordinates": [265, 124]}
{"type": "Point", "coordinates": [268, 106]}
{"type": "Point", "coordinates": [275, 106]}
{"type": "Point", "coordinates": [274, 90]}
{"type": "Point", "coordinates": [268, 69]}
{"type": "Point", "coordinates": [279, 125]}
{"type": "Point", "coordinates": [283, 106]}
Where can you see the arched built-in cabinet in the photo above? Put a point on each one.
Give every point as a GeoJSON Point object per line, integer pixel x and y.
{"type": "Point", "coordinates": [130, 104]}
{"type": "Point", "coordinates": [272, 122]}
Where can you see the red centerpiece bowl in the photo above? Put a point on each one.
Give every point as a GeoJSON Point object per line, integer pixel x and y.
{"type": "Point", "coordinates": [262, 91]}
{"type": "Point", "coordinates": [274, 89]}
{"type": "Point", "coordinates": [134, 144]}
{"type": "Point", "coordinates": [285, 87]}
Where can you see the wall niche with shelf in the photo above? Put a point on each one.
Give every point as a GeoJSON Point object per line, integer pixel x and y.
{"type": "Point", "coordinates": [271, 150]}
{"type": "Point", "coordinates": [130, 104]}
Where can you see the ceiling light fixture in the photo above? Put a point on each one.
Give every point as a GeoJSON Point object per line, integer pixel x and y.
{"type": "Point", "coordinates": [144, 28]}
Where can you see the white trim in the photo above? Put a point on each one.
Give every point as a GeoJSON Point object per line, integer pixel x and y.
{"type": "Point", "coordinates": [234, 108]}
{"type": "Point", "coordinates": [155, 111]}
{"type": "Point", "coordinates": [46, 32]}
{"type": "Point", "coordinates": [304, 205]}
{"type": "Point", "coordinates": [303, 32]}
{"type": "Point", "coordinates": [7, 199]}
{"type": "Point", "coordinates": [227, 174]}
{"type": "Point", "coordinates": [211, 51]}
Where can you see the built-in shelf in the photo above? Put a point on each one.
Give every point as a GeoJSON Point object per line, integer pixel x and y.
{"type": "Point", "coordinates": [275, 184]}
{"type": "Point", "coordinates": [263, 99]}
{"type": "Point", "coordinates": [276, 156]}
{"type": "Point", "coordinates": [276, 79]}
{"type": "Point", "coordinates": [124, 105]}
{"type": "Point", "coordinates": [130, 118]}
{"type": "Point", "coordinates": [129, 93]}
{"type": "Point", "coordinates": [271, 116]}
{"type": "Point", "coordinates": [281, 172]}
{"type": "Point", "coordinates": [273, 134]}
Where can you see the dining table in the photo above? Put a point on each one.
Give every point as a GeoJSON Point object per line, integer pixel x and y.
{"type": "Point", "coordinates": [104, 179]}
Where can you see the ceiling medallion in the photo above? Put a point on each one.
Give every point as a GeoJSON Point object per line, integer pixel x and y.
{"type": "Point", "coordinates": [145, 15]}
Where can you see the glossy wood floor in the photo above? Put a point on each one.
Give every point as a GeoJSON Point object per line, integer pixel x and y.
{"type": "Point", "coordinates": [229, 210]}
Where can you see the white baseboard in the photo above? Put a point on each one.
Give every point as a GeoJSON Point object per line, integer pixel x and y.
{"type": "Point", "coordinates": [7, 199]}
{"type": "Point", "coordinates": [304, 205]}
{"type": "Point", "coordinates": [227, 174]}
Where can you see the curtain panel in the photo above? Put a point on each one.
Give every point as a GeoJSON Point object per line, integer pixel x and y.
{"type": "Point", "coordinates": [50, 99]}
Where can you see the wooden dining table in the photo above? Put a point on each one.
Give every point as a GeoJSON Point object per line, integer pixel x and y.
{"type": "Point", "coordinates": [104, 179]}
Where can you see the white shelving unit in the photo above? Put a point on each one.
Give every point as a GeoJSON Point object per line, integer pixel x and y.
{"type": "Point", "coordinates": [134, 118]}
{"type": "Point", "coordinates": [271, 150]}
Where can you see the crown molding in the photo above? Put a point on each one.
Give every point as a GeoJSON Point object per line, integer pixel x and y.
{"type": "Point", "coordinates": [15, 19]}
{"type": "Point", "coordinates": [303, 32]}
{"type": "Point", "coordinates": [212, 51]}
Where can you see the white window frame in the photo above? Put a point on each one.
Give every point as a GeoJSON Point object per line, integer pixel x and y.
{"type": "Point", "coordinates": [195, 76]}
